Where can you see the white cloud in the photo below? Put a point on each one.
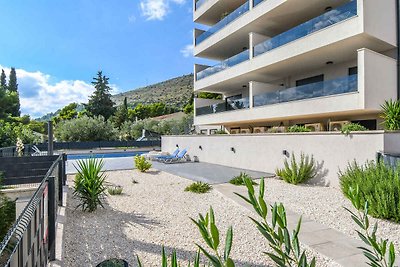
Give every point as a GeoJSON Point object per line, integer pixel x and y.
{"type": "Point", "coordinates": [39, 96]}
{"type": "Point", "coordinates": [157, 9]}
{"type": "Point", "coordinates": [187, 51]}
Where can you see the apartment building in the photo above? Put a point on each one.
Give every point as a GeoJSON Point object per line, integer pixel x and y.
{"type": "Point", "coordinates": [319, 63]}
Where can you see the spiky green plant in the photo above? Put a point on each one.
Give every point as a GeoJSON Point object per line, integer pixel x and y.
{"type": "Point", "coordinates": [198, 187]}
{"type": "Point", "coordinates": [391, 114]}
{"type": "Point", "coordinates": [142, 164]}
{"type": "Point", "coordinates": [380, 253]}
{"type": "Point", "coordinates": [298, 129]}
{"type": "Point", "coordinates": [298, 172]}
{"type": "Point", "coordinates": [352, 127]}
{"type": "Point", "coordinates": [115, 190]}
{"type": "Point", "coordinates": [174, 261]}
{"type": "Point", "coordinates": [286, 247]}
{"type": "Point", "coordinates": [379, 185]}
{"type": "Point", "coordinates": [239, 180]}
{"type": "Point", "coordinates": [89, 185]}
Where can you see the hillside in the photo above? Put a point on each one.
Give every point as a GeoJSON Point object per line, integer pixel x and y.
{"type": "Point", "coordinates": [174, 92]}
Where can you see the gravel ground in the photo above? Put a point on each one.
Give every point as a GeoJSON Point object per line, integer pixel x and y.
{"type": "Point", "coordinates": [325, 205]}
{"type": "Point", "coordinates": [155, 212]}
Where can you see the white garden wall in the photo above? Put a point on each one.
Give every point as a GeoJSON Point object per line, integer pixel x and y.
{"type": "Point", "coordinates": [264, 152]}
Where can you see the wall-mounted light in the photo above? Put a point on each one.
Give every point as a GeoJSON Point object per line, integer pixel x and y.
{"type": "Point", "coordinates": [200, 147]}
{"type": "Point", "coordinates": [244, 86]}
{"type": "Point", "coordinates": [285, 153]}
{"type": "Point", "coordinates": [328, 8]}
{"type": "Point", "coordinates": [244, 48]}
{"type": "Point", "coordinates": [233, 149]}
{"type": "Point", "coordinates": [177, 145]}
{"type": "Point", "coordinates": [329, 62]}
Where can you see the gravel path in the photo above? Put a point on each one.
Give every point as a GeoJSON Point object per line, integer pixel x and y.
{"type": "Point", "coordinates": [325, 205]}
{"type": "Point", "coordinates": [152, 213]}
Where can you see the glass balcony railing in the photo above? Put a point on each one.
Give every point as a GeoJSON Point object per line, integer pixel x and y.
{"type": "Point", "coordinates": [242, 103]}
{"type": "Point", "coordinates": [199, 3]}
{"type": "Point", "coordinates": [256, 2]}
{"type": "Point", "coordinates": [342, 85]}
{"type": "Point", "coordinates": [329, 18]}
{"type": "Point", "coordinates": [223, 22]}
{"type": "Point", "coordinates": [226, 64]}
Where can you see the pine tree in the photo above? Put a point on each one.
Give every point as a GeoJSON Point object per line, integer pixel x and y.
{"type": "Point", "coordinates": [14, 108]}
{"type": "Point", "coordinates": [100, 103]}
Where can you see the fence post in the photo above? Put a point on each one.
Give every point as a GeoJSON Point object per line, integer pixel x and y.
{"type": "Point", "coordinates": [60, 181]}
{"type": "Point", "coordinates": [52, 218]}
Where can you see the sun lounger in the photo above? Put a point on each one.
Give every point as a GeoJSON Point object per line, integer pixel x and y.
{"type": "Point", "coordinates": [152, 154]}
{"type": "Point", "coordinates": [178, 158]}
{"type": "Point", "coordinates": [162, 157]}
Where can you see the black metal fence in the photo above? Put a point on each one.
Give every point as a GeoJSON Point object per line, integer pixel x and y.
{"type": "Point", "coordinates": [31, 240]}
{"type": "Point", "coordinates": [32, 150]}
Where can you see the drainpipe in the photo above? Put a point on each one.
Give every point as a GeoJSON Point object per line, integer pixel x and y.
{"type": "Point", "coordinates": [398, 46]}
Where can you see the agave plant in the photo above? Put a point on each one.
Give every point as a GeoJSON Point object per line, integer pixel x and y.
{"type": "Point", "coordinates": [89, 184]}
{"type": "Point", "coordinates": [298, 172]}
{"type": "Point", "coordinates": [391, 115]}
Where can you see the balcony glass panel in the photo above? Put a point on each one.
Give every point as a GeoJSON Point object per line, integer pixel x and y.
{"type": "Point", "coordinates": [199, 3]}
{"type": "Point", "coordinates": [232, 61]}
{"type": "Point", "coordinates": [256, 2]}
{"type": "Point", "coordinates": [236, 104]}
{"type": "Point", "coordinates": [329, 18]}
{"type": "Point", "coordinates": [342, 85]}
{"type": "Point", "coordinates": [223, 22]}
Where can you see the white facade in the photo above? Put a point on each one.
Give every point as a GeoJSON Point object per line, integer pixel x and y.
{"type": "Point", "coordinates": [294, 61]}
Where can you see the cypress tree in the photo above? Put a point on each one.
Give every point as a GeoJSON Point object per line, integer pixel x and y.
{"type": "Point", "coordinates": [100, 102]}
{"type": "Point", "coordinates": [13, 93]}
{"type": "Point", "coordinates": [3, 81]}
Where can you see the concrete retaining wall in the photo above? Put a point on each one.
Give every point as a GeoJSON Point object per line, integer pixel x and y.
{"type": "Point", "coordinates": [264, 152]}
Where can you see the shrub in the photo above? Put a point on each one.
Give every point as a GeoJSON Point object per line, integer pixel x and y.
{"type": "Point", "coordinates": [352, 127]}
{"type": "Point", "coordinates": [7, 212]}
{"type": "Point", "coordinates": [378, 184]}
{"type": "Point", "coordinates": [298, 129]}
{"type": "Point", "coordinates": [85, 129]}
{"type": "Point", "coordinates": [115, 190]}
{"type": "Point", "coordinates": [298, 172]}
{"type": "Point", "coordinates": [89, 184]}
{"type": "Point", "coordinates": [142, 164]}
{"type": "Point", "coordinates": [239, 180]}
{"type": "Point", "coordinates": [198, 188]}
{"type": "Point", "coordinates": [391, 115]}
{"type": "Point", "coordinates": [113, 263]}
{"type": "Point", "coordinates": [380, 253]}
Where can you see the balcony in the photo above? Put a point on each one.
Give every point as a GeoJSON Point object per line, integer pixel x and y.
{"type": "Point", "coordinates": [199, 3]}
{"type": "Point", "coordinates": [223, 22]}
{"type": "Point", "coordinates": [230, 62]}
{"type": "Point", "coordinates": [237, 104]}
{"type": "Point", "coordinates": [341, 85]}
{"type": "Point", "coordinates": [328, 19]}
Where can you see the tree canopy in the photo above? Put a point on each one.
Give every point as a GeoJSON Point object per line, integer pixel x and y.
{"type": "Point", "coordinates": [100, 102]}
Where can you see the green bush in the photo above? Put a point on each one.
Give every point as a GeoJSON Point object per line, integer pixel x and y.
{"type": "Point", "coordinates": [85, 129]}
{"type": "Point", "coordinates": [89, 184]}
{"type": "Point", "coordinates": [11, 131]}
{"type": "Point", "coordinates": [298, 129]}
{"type": "Point", "coordinates": [115, 190]}
{"type": "Point", "coordinates": [378, 184]}
{"type": "Point", "coordinates": [142, 164]}
{"type": "Point", "coordinates": [239, 180]}
{"type": "Point", "coordinates": [7, 212]}
{"type": "Point", "coordinates": [198, 188]}
{"type": "Point", "coordinates": [298, 172]}
{"type": "Point", "coordinates": [352, 127]}
{"type": "Point", "coordinates": [391, 115]}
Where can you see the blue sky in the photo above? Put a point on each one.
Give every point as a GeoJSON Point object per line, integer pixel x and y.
{"type": "Point", "coordinates": [58, 46]}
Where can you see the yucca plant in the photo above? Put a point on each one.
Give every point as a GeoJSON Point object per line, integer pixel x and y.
{"type": "Point", "coordinates": [89, 184]}
{"type": "Point", "coordinates": [380, 253]}
{"type": "Point", "coordinates": [210, 233]}
{"type": "Point", "coordinates": [239, 180]}
{"type": "Point", "coordinates": [142, 164]}
{"type": "Point", "coordinates": [391, 115]}
{"type": "Point", "coordinates": [298, 172]}
{"type": "Point", "coordinates": [286, 247]}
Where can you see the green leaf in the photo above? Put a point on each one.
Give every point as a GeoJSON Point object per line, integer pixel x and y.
{"type": "Point", "coordinates": [228, 243]}
{"type": "Point", "coordinates": [230, 263]}
{"type": "Point", "coordinates": [214, 260]}
{"type": "Point", "coordinates": [392, 255]}
{"type": "Point", "coordinates": [214, 235]}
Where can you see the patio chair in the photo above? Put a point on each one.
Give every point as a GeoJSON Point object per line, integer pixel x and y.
{"type": "Point", "coordinates": [36, 151]}
{"type": "Point", "coordinates": [162, 157]}
{"type": "Point", "coordinates": [153, 154]}
{"type": "Point", "coordinates": [179, 158]}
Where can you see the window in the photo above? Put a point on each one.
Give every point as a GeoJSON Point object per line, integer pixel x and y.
{"type": "Point", "coordinates": [353, 71]}
{"type": "Point", "coordinates": [314, 79]}
{"type": "Point", "coordinates": [369, 124]}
